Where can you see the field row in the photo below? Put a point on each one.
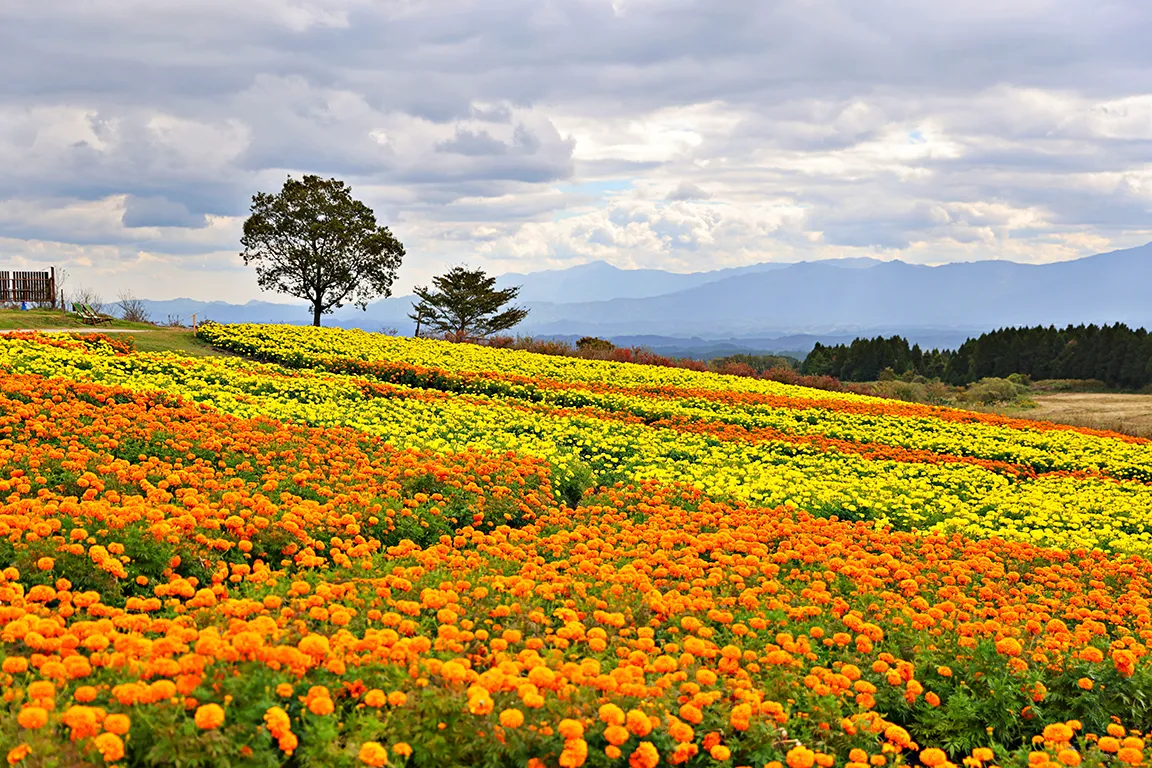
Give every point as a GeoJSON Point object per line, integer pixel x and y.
{"type": "Point", "coordinates": [188, 584]}
{"type": "Point", "coordinates": [594, 445]}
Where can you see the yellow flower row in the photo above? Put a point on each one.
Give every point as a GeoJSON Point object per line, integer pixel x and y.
{"type": "Point", "coordinates": [908, 494]}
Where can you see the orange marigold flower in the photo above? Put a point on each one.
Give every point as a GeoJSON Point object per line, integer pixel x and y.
{"type": "Point", "coordinates": [321, 705]}
{"type": "Point", "coordinates": [110, 746]}
{"type": "Point", "coordinates": [1009, 646]}
{"type": "Point", "coordinates": [1058, 733]}
{"type": "Point", "coordinates": [42, 689]}
{"type": "Point", "coordinates": [645, 756]}
{"type": "Point", "coordinates": [32, 717]}
{"type": "Point", "coordinates": [117, 724]}
{"type": "Point", "coordinates": [373, 753]}
{"type": "Point", "coordinates": [638, 723]}
{"type": "Point", "coordinates": [800, 757]}
{"type": "Point", "coordinates": [897, 736]}
{"type": "Point", "coordinates": [402, 748]}
{"type": "Point", "coordinates": [933, 757]}
{"type": "Point", "coordinates": [616, 735]}
{"type": "Point", "coordinates": [720, 752]}
{"type": "Point", "coordinates": [511, 718]}
{"type": "Point", "coordinates": [15, 665]}
{"type": "Point", "coordinates": [570, 729]}
{"type": "Point", "coordinates": [45, 564]}
{"type": "Point", "coordinates": [1109, 744]}
{"type": "Point", "coordinates": [1068, 757]}
{"type": "Point", "coordinates": [375, 698]}
{"type": "Point", "coordinates": [1085, 683]}
{"type": "Point", "coordinates": [209, 716]}
{"type": "Point", "coordinates": [16, 754]}
{"type": "Point", "coordinates": [1130, 756]}
{"type": "Point", "coordinates": [611, 714]}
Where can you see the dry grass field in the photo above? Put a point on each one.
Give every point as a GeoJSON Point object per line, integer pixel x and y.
{"type": "Point", "coordinates": [1130, 414]}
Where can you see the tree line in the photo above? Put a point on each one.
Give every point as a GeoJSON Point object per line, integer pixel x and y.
{"type": "Point", "coordinates": [1115, 354]}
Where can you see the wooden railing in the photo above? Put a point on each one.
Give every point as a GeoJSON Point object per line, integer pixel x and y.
{"type": "Point", "coordinates": [31, 287]}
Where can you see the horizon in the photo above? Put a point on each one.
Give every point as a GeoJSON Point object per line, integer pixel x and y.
{"type": "Point", "coordinates": [689, 136]}
{"type": "Point", "coordinates": [289, 301]}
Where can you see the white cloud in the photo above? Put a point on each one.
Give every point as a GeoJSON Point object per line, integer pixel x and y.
{"type": "Point", "coordinates": [685, 134]}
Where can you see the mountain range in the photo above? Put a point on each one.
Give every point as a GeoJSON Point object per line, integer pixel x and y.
{"type": "Point", "coordinates": [781, 307]}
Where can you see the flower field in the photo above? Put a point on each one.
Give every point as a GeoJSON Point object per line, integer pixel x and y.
{"type": "Point", "coordinates": [345, 549]}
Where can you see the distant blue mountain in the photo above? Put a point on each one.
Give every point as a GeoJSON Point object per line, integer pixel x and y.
{"type": "Point", "coordinates": [766, 302]}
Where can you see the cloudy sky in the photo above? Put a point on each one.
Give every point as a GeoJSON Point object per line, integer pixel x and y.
{"type": "Point", "coordinates": [530, 134]}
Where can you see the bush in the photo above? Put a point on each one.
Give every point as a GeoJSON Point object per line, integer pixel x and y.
{"type": "Point", "coordinates": [593, 344]}
{"type": "Point", "coordinates": [990, 391]}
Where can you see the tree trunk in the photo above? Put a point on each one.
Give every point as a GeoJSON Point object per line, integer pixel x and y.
{"type": "Point", "coordinates": [316, 314]}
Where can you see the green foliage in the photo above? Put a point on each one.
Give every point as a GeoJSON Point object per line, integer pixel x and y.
{"type": "Point", "coordinates": [758, 363]}
{"type": "Point", "coordinates": [465, 304]}
{"type": "Point", "coordinates": [594, 344]}
{"type": "Point", "coordinates": [313, 241]}
{"type": "Point", "coordinates": [1116, 355]}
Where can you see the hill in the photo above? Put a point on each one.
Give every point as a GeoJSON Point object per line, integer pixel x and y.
{"type": "Point", "coordinates": [822, 299]}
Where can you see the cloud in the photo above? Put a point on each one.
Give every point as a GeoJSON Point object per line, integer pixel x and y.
{"type": "Point", "coordinates": [699, 133]}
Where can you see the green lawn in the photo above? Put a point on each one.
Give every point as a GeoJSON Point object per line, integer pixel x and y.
{"type": "Point", "coordinates": [12, 319]}
{"type": "Point", "coordinates": [172, 340]}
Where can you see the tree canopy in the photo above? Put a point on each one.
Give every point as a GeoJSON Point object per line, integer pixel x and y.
{"type": "Point", "coordinates": [313, 241]}
{"type": "Point", "coordinates": [464, 304]}
{"type": "Point", "coordinates": [1115, 354]}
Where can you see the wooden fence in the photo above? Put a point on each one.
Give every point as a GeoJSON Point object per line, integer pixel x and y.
{"type": "Point", "coordinates": [32, 287]}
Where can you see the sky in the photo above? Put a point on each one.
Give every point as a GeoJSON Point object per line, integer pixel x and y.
{"type": "Point", "coordinates": [519, 135]}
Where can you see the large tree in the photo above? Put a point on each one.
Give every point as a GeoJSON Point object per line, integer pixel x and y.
{"type": "Point", "coordinates": [465, 303]}
{"type": "Point", "coordinates": [315, 242]}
